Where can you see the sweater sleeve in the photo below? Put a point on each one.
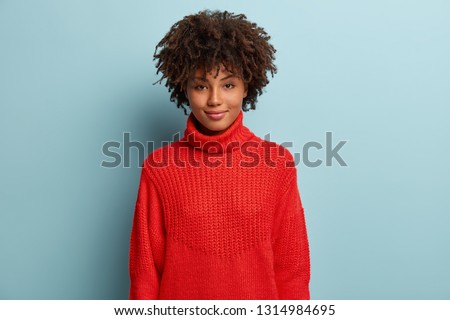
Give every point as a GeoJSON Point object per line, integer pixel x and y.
{"type": "Point", "coordinates": [147, 244]}
{"type": "Point", "coordinates": [291, 248]}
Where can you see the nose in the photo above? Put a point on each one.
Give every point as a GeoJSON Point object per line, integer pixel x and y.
{"type": "Point", "coordinates": [214, 98]}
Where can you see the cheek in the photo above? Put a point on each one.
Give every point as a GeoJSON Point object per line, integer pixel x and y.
{"type": "Point", "coordinates": [195, 100]}
{"type": "Point", "coordinates": [239, 98]}
{"type": "Point", "coordinates": [190, 96]}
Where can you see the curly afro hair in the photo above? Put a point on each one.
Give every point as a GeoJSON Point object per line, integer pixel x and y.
{"type": "Point", "coordinates": [208, 40]}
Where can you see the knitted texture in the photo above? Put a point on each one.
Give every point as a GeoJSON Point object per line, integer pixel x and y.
{"type": "Point", "coordinates": [219, 217]}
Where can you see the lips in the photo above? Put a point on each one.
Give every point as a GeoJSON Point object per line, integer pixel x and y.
{"type": "Point", "coordinates": [216, 115]}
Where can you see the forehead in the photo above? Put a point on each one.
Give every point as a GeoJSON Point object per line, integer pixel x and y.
{"type": "Point", "coordinates": [214, 72]}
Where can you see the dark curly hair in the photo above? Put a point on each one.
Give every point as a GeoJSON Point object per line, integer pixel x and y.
{"type": "Point", "coordinates": [208, 40]}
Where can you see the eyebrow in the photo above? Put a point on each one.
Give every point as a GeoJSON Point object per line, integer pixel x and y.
{"type": "Point", "coordinates": [224, 78]}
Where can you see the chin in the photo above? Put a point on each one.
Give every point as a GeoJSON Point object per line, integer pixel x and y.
{"type": "Point", "coordinates": [217, 128]}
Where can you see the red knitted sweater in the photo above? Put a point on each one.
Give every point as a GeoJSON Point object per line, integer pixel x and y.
{"type": "Point", "coordinates": [219, 217]}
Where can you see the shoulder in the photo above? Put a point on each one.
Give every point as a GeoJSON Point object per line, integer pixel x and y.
{"type": "Point", "coordinates": [160, 158]}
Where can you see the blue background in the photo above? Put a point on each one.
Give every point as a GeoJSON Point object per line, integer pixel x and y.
{"type": "Point", "coordinates": [76, 74]}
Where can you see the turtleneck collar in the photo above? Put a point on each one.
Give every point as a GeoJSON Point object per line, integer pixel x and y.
{"type": "Point", "coordinates": [237, 132]}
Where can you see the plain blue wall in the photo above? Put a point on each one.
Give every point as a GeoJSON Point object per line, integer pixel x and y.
{"type": "Point", "coordinates": [76, 74]}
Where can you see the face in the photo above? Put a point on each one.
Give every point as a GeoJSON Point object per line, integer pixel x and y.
{"type": "Point", "coordinates": [215, 101]}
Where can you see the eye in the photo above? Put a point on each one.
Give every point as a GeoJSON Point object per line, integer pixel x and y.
{"type": "Point", "coordinates": [200, 87]}
{"type": "Point", "coordinates": [229, 86]}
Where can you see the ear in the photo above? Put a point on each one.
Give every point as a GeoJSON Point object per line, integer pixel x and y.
{"type": "Point", "coordinates": [245, 90]}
